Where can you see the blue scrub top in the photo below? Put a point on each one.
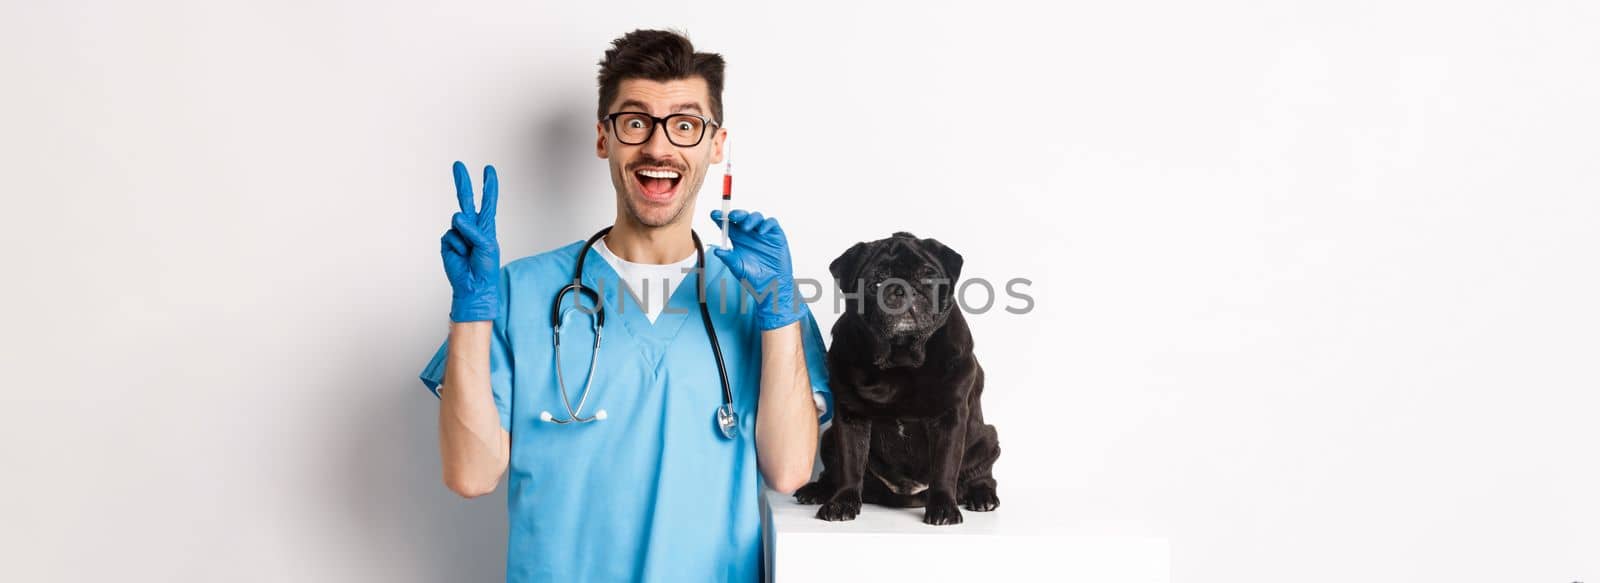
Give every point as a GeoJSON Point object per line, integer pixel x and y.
{"type": "Point", "coordinates": [653, 492]}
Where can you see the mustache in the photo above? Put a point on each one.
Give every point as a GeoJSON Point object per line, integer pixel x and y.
{"type": "Point", "coordinates": [654, 163]}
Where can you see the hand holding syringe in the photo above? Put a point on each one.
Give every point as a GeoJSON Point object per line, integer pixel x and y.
{"type": "Point", "coordinates": [761, 261]}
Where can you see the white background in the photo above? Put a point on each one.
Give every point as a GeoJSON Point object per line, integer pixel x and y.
{"type": "Point", "coordinates": [1310, 277]}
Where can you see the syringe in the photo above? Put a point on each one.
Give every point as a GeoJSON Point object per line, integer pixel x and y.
{"type": "Point", "coordinates": [727, 194]}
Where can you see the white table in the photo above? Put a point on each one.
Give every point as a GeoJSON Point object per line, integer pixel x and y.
{"type": "Point", "coordinates": [1027, 539]}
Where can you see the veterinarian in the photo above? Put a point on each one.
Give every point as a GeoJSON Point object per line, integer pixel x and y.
{"type": "Point", "coordinates": [664, 486]}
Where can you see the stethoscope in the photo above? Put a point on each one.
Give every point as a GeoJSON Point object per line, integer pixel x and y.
{"type": "Point", "coordinates": [727, 420]}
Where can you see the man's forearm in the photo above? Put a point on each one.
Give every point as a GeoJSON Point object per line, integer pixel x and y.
{"type": "Point", "coordinates": [786, 421]}
{"type": "Point", "coordinates": [472, 444]}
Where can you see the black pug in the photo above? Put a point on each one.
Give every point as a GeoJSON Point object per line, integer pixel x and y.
{"type": "Point", "coordinates": [908, 426]}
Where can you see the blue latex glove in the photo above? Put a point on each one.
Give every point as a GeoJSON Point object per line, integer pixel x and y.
{"type": "Point", "coordinates": [471, 253]}
{"type": "Point", "coordinates": [760, 256]}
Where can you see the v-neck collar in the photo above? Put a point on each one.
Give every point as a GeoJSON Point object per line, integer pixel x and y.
{"type": "Point", "coordinates": [651, 340]}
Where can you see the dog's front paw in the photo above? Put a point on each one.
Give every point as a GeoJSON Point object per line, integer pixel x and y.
{"type": "Point", "coordinates": [981, 499]}
{"type": "Point", "coordinates": [941, 512]}
{"type": "Point", "coordinates": [844, 506]}
{"type": "Point", "coordinates": [813, 493]}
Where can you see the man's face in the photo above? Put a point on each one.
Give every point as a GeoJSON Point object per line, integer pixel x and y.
{"type": "Point", "coordinates": [651, 200]}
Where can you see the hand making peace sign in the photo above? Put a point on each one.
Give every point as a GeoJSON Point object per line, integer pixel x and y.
{"type": "Point", "coordinates": [471, 252]}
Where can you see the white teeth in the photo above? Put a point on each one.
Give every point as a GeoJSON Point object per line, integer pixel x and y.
{"type": "Point", "coordinates": [659, 173]}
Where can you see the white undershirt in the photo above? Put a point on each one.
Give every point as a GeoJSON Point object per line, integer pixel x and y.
{"type": "Point", "coordinates": [651, 283]}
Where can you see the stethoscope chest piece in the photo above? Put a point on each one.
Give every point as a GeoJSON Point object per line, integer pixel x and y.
{"type": "Point", "coordinates": [727, 421]}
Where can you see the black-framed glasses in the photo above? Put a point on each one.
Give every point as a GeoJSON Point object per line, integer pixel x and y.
{"type": "Point", "coordinates": [684, 130]}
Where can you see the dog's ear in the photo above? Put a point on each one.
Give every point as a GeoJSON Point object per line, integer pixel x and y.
{"type": "Point", "coordinates": [947, 257]}
{"type": "Point", "coordinates": [847, 265]}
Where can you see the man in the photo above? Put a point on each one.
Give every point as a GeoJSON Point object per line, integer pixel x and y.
{"type": "Point", "coordinates": [650, 490]}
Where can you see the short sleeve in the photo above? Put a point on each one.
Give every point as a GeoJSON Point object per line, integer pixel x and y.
{"type": "Point", "coordinates": [500, 369]}
{"type": "Point", "coordinates": [816, 366]}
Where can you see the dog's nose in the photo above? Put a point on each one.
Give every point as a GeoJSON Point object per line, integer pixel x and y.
{"type": "Point", "coordinates": [897, 298]}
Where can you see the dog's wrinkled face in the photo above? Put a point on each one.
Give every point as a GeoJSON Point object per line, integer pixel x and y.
{"type": "Point", "coordinates": [902, 288]}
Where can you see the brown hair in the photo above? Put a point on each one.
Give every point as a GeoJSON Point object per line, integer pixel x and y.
{"type": "Point", "coordinates": [658, 55]}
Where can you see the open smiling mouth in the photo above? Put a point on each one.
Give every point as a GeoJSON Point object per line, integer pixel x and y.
{"type": "Point", "coordinates": [658, 185]}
